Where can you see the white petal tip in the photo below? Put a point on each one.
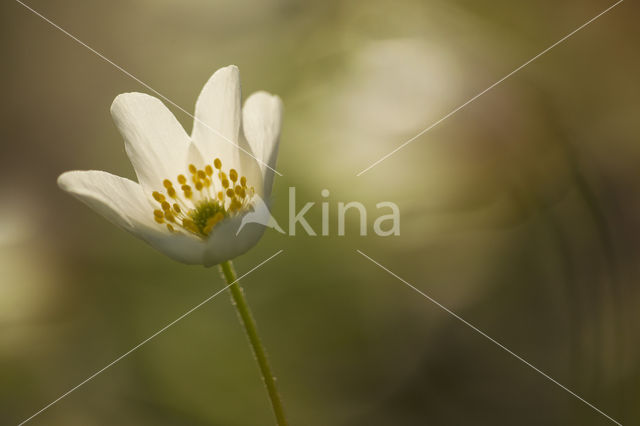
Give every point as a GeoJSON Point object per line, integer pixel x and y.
{"type": "Point", "coordinates": [124, 99]}
{"type": "Point", "coordinates": [262, 94]}
{"type": "Point", "coordinates": [266, 100]}
{"type": "Point", "coordinates": [66, 179]}
{"type": "Point", "coordinates": [229, 75]}
{"type": "Point", "coordinates": [229, 69]}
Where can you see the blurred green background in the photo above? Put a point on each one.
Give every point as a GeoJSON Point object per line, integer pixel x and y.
{"type": "Point", "coordinates": [520, 213]}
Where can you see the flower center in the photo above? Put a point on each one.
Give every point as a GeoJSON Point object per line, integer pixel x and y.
{"type": "Point", "coordinates": [210, 197]}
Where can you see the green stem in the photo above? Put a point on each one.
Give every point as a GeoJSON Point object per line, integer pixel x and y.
{"type": "Point", "coordinates": [252, 333]}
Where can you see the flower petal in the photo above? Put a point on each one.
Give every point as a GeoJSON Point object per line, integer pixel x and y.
{"type": "Point", "coordinates": [181, 247]}
{"type": "Point", "coordinates": [261, 122]}
{"type": "Point", "coordinates": [155, 142]}
{"type": "Point", "coordinates": [120, 200]}
{"type": "Point", "coordinates": [223, 244]}
{"type": "Point", "coordinates": [250, 168]}
{"type": "Point", "coordinates": [124, 203]}
{"type": "Point", "coordinates": [217, 117]}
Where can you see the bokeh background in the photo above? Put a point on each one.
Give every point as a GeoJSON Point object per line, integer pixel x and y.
{"type": "Point", "coordinates": [520, 213]}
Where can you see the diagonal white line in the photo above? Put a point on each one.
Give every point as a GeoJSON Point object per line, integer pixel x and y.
{"type": "Point", "coordinates": [163, 329]}
{"type": "Point", "coordinates": [501, 346]}
{"type": "Point", "coordinates": [487, 89]}
{"type": "Point", "coordinates": [127, 73]}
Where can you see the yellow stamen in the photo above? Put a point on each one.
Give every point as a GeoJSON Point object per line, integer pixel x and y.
{"type": "Point", "coordinates": [213, 221]}
{"type": "Point", "coordinates": [235, 205]}
{"type": "Point", "coordinates": [182, 212]}
{"type": "Point", "coordinates": [188, 224]}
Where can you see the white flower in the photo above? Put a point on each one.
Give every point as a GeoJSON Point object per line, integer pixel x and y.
{"type": "Point", "coordinates": [192, 191]}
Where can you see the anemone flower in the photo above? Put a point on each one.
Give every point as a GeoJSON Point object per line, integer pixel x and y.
{"type": "Point", "coordinates": [193, 191]}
